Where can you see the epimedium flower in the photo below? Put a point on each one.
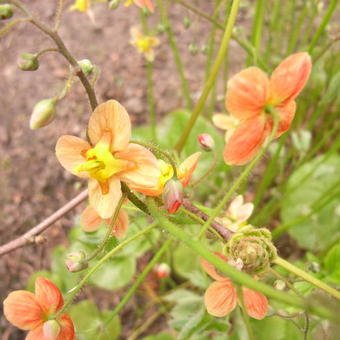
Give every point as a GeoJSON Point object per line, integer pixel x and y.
{"type": "Point", "coordinates": [142, 4]}
{"type": "Point", "coordinates": [34, 312]}
{"type": "Point", "coordinates": [251, 97]}
{"type": "Point", "coordinates": [221, 296]}
{"type": "Point", "coordinates": [225, 122]}
{"type": "Point", "coordinates": [144, 44]}
{"type": "Point", "coordinates": [110, 159]}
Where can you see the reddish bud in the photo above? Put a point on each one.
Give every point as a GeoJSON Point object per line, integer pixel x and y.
{"type": "Point", "coordinates": [206, 142]}
{"type": "Point", "coordinates": [51, 330]}
{"type": "Point", "coordinates": [173, 195]}
{"type": "Point", "coordinates": [75, 261]}
{"type": "Point", "coordinates": [162, 270]}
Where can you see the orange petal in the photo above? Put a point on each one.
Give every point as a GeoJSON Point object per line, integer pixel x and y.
{"type": "Point", "coordinates": [110, 117]}
{"type": "Point", "coordinates": [246, 141]}
{"type": "Point", "coordinates": [89, 219]}
{"type": "Point", "coordinates": [105, 204]}
{"type": "Point", "coordinates": [145, 4]}
{"type": "Point", "coordinates": [70, 152]}
{"type": "Point", "coordinates": [22, 310]}
{"type": "Point", "coordinates": [290, 77]}
{"type": "Point", "coordinates": [36, 334]}
{"type": "Point", "coordinates": [256, 303]}
{"type": "Point", "coordinates": [67, 329]}
{"type": "Point", "coordinates": [211, 270]}
{"type": "Point", "coordinates": [48, 295]}
{"type": "Point", "coordinates": [286, 114]}
{"type": "Point", "coordinates": [220, 298]}
{"type": "Point", "coordinates": [186, 169]}
{"type": "Point", "coordinates": [247, 93]}
{"type": "Point", "coordinates": [145, 175]}
{"type": "Point", "coordinates": [121, 224]}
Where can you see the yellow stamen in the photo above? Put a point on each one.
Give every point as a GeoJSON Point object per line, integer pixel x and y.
{"type": "Point", "coordinates": [167, 172]}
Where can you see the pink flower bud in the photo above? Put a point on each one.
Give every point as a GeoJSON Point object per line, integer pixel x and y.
{"type": "Point", "coordinates": [206, 142]}
{"type": "Point", "coordinates": [75, 261]}
{"type": "Point", "coordinates": [173, 195]}
{"type": "Point", "coordinates": [51, 330]}
{"type": "Point", "coordinates": [162, 270]}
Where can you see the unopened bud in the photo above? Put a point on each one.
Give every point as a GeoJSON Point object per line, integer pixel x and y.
{"type": "Point", "coordinates": [6, 11]}
{"type": "Point", "coordinates": [161, 28]}
{"type": "Point", "coordinates": [173, 195]}
{"type": "Point", "coordinates": [76, 261]}
{"type": "Point", "coordinates": [279, 285]}
{"type": "Point", "coordinates": [28, 62]}
{"type": "Point", "coordinates": [187, 22]}
{"type": "Point", "coordinates": [113, 4]}
{"type": "Point", "coordinates": [86, 66]}
{"type": "Point", "coordinates": [193, 49]}
{"type": "Point", "coordinates": [163, 270]}
{"type": "Point", "coordinates": [205, 49]}
{"type": "Point", "coordinates": [206, 142]}
{"type": "Point", "coordinates": [43, 113]}
{"type": "Point", "coordinates": [51, 330]}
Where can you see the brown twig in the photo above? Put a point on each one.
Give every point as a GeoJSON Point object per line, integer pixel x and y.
{"type": "Point", "coordinates": [30, 237]}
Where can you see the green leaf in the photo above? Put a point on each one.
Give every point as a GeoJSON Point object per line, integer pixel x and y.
{"type": "Point", "coordinates": [160, 336]}
{"type": "Point", "coordinates": [331, 263]}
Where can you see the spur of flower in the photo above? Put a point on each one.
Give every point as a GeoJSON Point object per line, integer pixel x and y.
{"type": "Point", "coordinates": [34, 312]}
{"type": "Point", "coordinates": [91, 221]}
{"type": "Point", "coordinates": [144, 44]}
{"type": "Point", "coordinates": [252, 97]}
{"type": "Point", "coordinates": [142, 4]}
{"type": "Point", "coordinates": [109, 159]}
{"type": "Point", "coordinates": [221, 296]}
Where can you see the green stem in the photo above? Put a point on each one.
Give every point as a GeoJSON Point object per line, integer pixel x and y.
{"type": "Point", "coordinates": [212, 78]}
{"type": "Point", "coordinates": [244, 313]}
{"type": "Point", "coordinates": [307, 277]}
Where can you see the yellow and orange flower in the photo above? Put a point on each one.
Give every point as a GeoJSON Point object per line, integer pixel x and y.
{"type": "Point", "coordinates": [142, 4]}
{"type": "Point", "coordinates": [144, 44]}
{"type": "Point", "coordinates": [91, 221]}
{"type": "Point", "coordinates": [251, 94]}
{"type": "Point", "coordinates": [221, 296]}
{"type": "Point", "coordinates": [110, 159]}
{"type": "Point", "coordinates": [33, 312]}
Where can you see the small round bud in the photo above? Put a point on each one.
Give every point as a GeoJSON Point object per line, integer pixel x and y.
{"type": "Point", "coordinates": [113, 4]}
{"type": "Point", "coordinates": [279, 285]}
{"type": "Point", "coordinates": [205, 49]}
{"type": "Point", "coordinates": [161, 28]}
{"type": "Point", "coordinates": [51, 330]}
{"type": "Point", "coordinates": [163, 270]}
{"type": "Point", "coordinates": [76, 261]}
{"type": "Point", "coordinates": [206, 142]}
{"type": "Point", "coordinates": [6, 11]}
{"type": "Point", "coordinates": [86, 66]}
{"type": "Point", "coordinates": [43, 113]}
{"type": "Point", "coordinates": [28, 62]}
{"type": "Point", "coordinates": [193, 49]}
{"type": "Point", "coordinates": [187, 22]}
{"type": "Point", "coordinates": [173, 195]}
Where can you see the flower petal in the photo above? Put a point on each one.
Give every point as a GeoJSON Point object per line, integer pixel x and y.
{"type": "Point", "coordinates": [256, 303]}
{"type": "Point", "coordinates": [220, 298]}
{"type": "Point", "coordinates": [104, 204]}
{"type": "Point", "coordinates": [48, 295]}
{"type": "Point", "coordinates": [224, 121]}
{"type": "Point", "coordinates": [145, 4]}
{"type": "Point", "coordinates": [247, 93]}
{"type": "Point", "coordinates": [145, 175]}
{"type": "Point", "coordinates": [66, 328]}
{"type": "Point", "coordinates": [90, 220]}
{"type": "Point", "coordinates": [246, 141]}
{"type": "Point", "coordinates": [70, 152]}
{"type": "Point", "coordinates": [111, 117]}
{"type": "Point", "coordinates": [286, 114]}
{"type": "Point", "coordinates": [121, 224]}
{"type": "Point", "coordinates": [211, 270]}
{"type": "Point", "coordinates": [235, 205]}
{"type": "Point", "coordinates": [290, 77]}
{"type": "Point", "coordinates": [187, 167]}
{"type": "Point", "coordinates": [22, 310]}
{"type": "Point", "coordinates": [36, 334]}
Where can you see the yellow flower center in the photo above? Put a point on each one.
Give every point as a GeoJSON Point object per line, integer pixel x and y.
{"type": "Point", "coordinates": [166, 172]}
{"type": "Point", "coordinates": [145, 43]}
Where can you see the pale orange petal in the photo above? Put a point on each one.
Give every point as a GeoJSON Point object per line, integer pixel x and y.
{"type": "Point", "coordinates": [145, 175]}
{"type": "Point", "coordinates": [67, 329]}
{"type": "Point", "coordinates": [145, 4]}
{"type": "Point", "coordinates": [110, 117]}
{"type": "Point", "coordinates": [104, 204]}
{"type": "Point", "coordinates": [70, 151]}
{"type": "Point", "coordinates": [247, 93]}
{"type": "Point", "coordinates": [122, 223]}
{"type": "Point", "coordinates": [22, 310]}
{"type": "Point", "coordinates": [211, 270]}
{"type": "Point", "coordinates": [89, 219]}
{"type": "Point", "coordinates": [224, 121]}
{"type": "Point", "coordinates": [286, 114]}
{"type": "Point", "coordinates": [36, 334]}
{"type": "Point", "coordinates": [290, 77]}
{"type": "Point", "coordinates": [246, 141]}
{"type": "Point", "coordinates": [220, 298]}
{"type": "Point", "coordinates": [48, 295]}
{"type": "Point", "coordinates": [256, 303]}
{"type": "Point", "coordinates": [186, 169]}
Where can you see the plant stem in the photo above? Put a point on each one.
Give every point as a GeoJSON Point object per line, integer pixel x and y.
{"type": "Point", "coordinates": [244, 313]}
{"type": "Point", "coordinates": [212, 78]}
{"type": "Point", "coordinates": [58, 14]}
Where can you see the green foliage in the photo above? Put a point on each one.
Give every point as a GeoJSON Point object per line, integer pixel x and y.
{"type": "Point", "coordinates": [331, 264]}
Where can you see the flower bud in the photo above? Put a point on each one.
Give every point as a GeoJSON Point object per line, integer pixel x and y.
{"type": "Point", "coordinates": [76, 261]}
{"type": "Point", "coordinates": [163, 270]}
{"type": "Point", "coordinates": [173, 195]}
{"type": "Point", "coordinates": [193, 49]}
{"type": "Point", "coordinates": [206, 142]}
{"type": "Point", "coordinates": [279, 285]}
{"type": "Point", "coordinates": [6, 11]}
{"type": "Point", "coordinates": [187, 22]}
{"type": "Point", "coordinates": [43, 113]}
{"type": "Point", "coordinates": [161, 28]}
{"type": "Point", "coordinates": [51, 330]}
{"type": "Point", "coordinates": [113, 4]}
{"type": "Point", "coordinates": [86, 66]}
{"type": "Point", "coordinates": [28, 62]}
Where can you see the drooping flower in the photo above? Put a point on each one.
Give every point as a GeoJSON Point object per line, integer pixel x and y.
{"type": "Point", "coordinates": [110, 160]}
{"type": "Point", "coordinates": [225, 122]}
{"type": "Point", "coordinates": [250, 98]}
{"type": "Point", "coordinates": [91, 221]}
{"type": "Point", "coordinates": [221, 296]}
{"type": "Point", "coordinates": [33, 312]}
{"type": "Point", "coordinates": [142, 4]}
{"type": "Point", "coordinates": [144, 44]}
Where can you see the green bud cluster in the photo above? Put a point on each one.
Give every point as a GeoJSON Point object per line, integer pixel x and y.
{"type": "Point", "coordinates": [6, 11]}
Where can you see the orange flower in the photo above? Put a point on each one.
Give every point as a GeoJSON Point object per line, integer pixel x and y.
{"type": "Point", "coordinates": [112, 158]}
{"type": "Point", "coordinates": [249, 96]}
{"type": "Point", "coordinates": [221, 296]}
{"type": "Point", "coordinates": [142, 4]}
{"type": "Point", "coordinates": [32, 312]}
{"type": "Point", "coordinates": [91, 221]}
